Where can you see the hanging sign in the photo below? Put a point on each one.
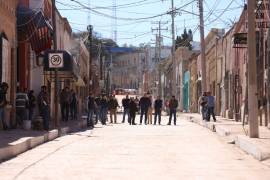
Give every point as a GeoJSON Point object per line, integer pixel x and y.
{"type": "Point", "coordinates": [56, 60]}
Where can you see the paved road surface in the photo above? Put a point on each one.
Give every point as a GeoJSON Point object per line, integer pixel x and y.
{"type": "Point", "coordinates": [122, 152]}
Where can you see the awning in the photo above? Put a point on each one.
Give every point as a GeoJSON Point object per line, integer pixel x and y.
{"type": "Point", "coordinates": [33, 27]}
{"type": "Point", "coordinates": [70, 69]}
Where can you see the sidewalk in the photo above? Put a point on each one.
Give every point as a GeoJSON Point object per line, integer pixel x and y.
{"type": "Point", "coordinates": [15, 142]}
{"type": "Point", "coordinates": [234, 132]}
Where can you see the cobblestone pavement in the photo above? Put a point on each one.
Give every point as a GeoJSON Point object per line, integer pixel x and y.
{"type": "Point", "coordinates": [120, 152]}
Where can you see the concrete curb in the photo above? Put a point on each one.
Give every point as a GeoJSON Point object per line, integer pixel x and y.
{"type": "Point", "coordinates": [251, 147]}
{"type": "Point", "coordinates": [248, 145]}
{"type": "Point", "coordinates": [222, 131]}
{"type": "Point", "coordinates": [27, 143]}
{"type": "Point", "coordinates": [208, 125]}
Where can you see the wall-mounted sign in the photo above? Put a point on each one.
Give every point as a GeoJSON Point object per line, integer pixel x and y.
{"type": "Point", "coordinates": [240, 38]}
{"type": "Point", "coordinates": [261, 15]}
{"type": "Point", "coordinates": [56, 60]}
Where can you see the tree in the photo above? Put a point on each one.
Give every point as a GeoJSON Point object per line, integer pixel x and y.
{"type": "Point", "coordinates": [184, 40]}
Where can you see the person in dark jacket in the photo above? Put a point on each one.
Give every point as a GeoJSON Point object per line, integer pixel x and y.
{"type": "Point", "coordinates": [158, 108]}
{"type": "Point", "coordinates": [173, 104]}
{"type": "Point", "coordinates": [125, 104]}
{"type": "Point", "coordinates": [44, 107]}
{"type": "Point", "coordinates": [144, 104]}
{"type": "Point", "coordinates": [132, 111]}
{"type": "Point", "coordinates": [103, 109]}
{"type": "Point", "coordinates": [91, 109]}
{"type": "Point", "coordinates": [32, 104]}
{"type": "Point", "coordinates": [113, 104]}
{"type": "Point", "coordinates": [65, 103]}
{"type": "Point", "coordinates": [73, 105]}
{"type": "Point", "coordinates": [97, 109]}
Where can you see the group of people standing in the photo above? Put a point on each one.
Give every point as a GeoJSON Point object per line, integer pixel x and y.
{"type": "Point", "coordinates": [145, 107]}
{"type": "Point", "coordinates": [69, 104]}
{"type": "Point", "coordinates": [25, 105]}
{"type": "Point", "coordinates": [100, 106]}
{"type": "Point", "coordinates": [207, 102]}
{"type": "Point", "coordinates": [26, 102]}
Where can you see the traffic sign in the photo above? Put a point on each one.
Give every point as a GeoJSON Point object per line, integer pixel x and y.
{"type": "Point", "coordinates": [56, 60]}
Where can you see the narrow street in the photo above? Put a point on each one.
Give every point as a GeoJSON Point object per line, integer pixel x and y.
{"type": "Point", "coordinates": [119, 152]}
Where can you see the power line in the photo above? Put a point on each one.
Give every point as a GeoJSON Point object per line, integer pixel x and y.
{"type": "Point", "coordinates": [219, 16]}
{"type": "Point", "coordinates": [131, 19]}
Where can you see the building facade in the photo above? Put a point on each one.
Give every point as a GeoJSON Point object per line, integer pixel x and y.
{"type": "Point", "coordinates": [8, 53]}
{"type": "Point", "coordinates": [130, 70]}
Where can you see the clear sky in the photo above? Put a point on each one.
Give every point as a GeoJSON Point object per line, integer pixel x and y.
{"type": "Point", "coordinates": [217, 14]}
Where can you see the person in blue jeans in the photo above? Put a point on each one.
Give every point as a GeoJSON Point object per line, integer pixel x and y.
{"type": "Point", "coordinates": [210, 107]}
{"type": "Point", "coordinates": [173, 104]}
{"type": "Point", "coordinates": [125, 104]}
{"type": "Point", "coordinates": [91, 110]}
{"type": "Point", "coordinates": [203, 102]}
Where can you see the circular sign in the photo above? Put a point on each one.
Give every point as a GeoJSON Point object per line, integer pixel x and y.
{"type": "Point", "coordinates": [56, 60]}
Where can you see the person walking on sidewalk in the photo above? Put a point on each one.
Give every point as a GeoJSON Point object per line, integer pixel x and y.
{"type": "Point", "coordinates": [91, 105]}
{"type": "Point", "coordinates": [132, 111]}
{"type": "Point", "coordinates": [150, 111]}
{"type": "Point", "coordinates": [32, 104]}
{"type": "Point", "coordinates": [113, 104]}
{"type": "Point", "coordinates": [3, 103]}
{"type": "Point", "coordinates": [144, 104]}
{"type": "Point", "coordinates": [65, 103]}
{"type": "Point", "coordinates": [158, 108]}
{"type": "Point", "coordinates": [203, 103]}
{"type": "Point", "coordinates": [210, 107]}
{"type": "Point", "coordinates": [173, 104]}
{"type": "Point", "coordinates": [125, 104]}
{"type": "Point", "coordinates": [44, 107]}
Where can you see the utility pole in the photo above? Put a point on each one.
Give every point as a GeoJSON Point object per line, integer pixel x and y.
{"type": "Point", "coordinates": [56, 119]}
{"type": "Point", "coordinates": [173, 92]}
{"type": "Point", "coordinates": [158, 43]}
{"type": "Point", "coordinates": [252, 73]}
{"type": "Point", "coordinates": [203, 59]}
{"type": "Point", "coordinates": [90, 39]}
{"type": "Point", "coordinates": [268, 75]}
